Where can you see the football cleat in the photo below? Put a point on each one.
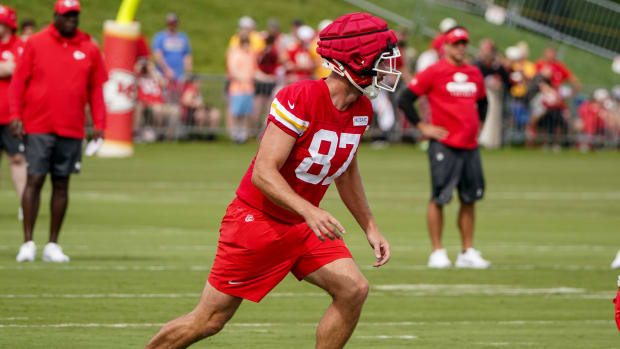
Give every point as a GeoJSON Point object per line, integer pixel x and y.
{"type": "Point", "coordinates": [439, 259]}
{"type": "Point", "coordinates": [27, 252]}
{"type": "Point", "coordinates": [471, 258]}
{"type": "Point", "coordinates": [53, 253]}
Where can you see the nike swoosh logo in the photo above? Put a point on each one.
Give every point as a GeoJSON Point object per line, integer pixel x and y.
{"type": "Point", "coordinates": [292, 106]}
{"type": "Point", "coordinates": [234, 283]}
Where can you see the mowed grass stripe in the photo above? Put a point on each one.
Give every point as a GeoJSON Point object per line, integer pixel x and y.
{"type": "Point", "coordinates": [148, 226]}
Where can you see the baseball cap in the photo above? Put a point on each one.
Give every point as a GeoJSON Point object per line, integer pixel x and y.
{"type": "Point", "coordinates": [247, 22]}
{"type": "Point", "coordinates": [172, 18]}
{"type": "Point", "coordinates": [8, 16]}
{"type": "Point", "coordinates": [64, 6]}
{"type": "Point", "coordinates": [457, 34]}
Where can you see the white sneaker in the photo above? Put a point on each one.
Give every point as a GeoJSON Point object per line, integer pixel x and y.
{"type": "Point", "coordinates": [20, 214]}
{"type": "Point", "coordinates": [439, 259]}
{"type": "Point", "coordinates": [616, 263]}
{"type": "Point", "coordinates": [27, 252]}
{"type": "Point", "coordinates": [53, 253]}
{"type": "Point", "coordinates": [471, 259]}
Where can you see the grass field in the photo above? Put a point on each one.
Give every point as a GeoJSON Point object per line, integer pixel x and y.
{"type": "Point", "coordinates": [142, 233]}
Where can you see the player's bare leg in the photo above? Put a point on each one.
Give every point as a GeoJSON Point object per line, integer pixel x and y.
{"type": "Point", "coordinates": [58, 205]}
{"type": "Point", "coordinates": [18, 173]}
{"type": "Point", "coordinates": [30, 203]}
{"type": "Point", "coordinates": [348, 287]}
{"type": "Point", "coordinates": [466, 224]}
{"type": "Point", "coordinates": [208, 318]}
{"type": "Point", "coordinates": [434, 222]}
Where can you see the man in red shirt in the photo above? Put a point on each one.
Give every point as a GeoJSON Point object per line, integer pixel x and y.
{"type": "Point", "coordinates": [275, 226]}
{"type": "Point", "coordinates": [458, 104]}
{"type": "Point", "coordinates": [11, 48]}
{"type": "Point", "coordinates": [559, 72]}
{"type": "Point", "coordinates": [60, 70]}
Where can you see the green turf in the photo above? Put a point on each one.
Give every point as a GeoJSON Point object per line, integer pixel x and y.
{"type": "Point", "coordinates": [141, 233]}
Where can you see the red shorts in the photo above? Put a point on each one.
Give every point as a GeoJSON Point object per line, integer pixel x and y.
{"type": "Point", "coordinates": [255, 252]}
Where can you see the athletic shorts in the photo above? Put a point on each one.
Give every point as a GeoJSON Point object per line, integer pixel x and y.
{"type": "Point", "coordinates": [264, 88]}
{"type": "Point", "coordinates": [241, 105]}
{"type": "Point", "coordinates": [255, 252]}
{"type": "Point", "coordinates": [11, 145]}
{"type": "Point", "coordinates": [453, 168]}
{"type": "Point", "coordinates": [49, 153]}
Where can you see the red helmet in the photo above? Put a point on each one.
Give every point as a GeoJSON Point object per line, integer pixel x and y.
{"type": "Point", "coordinates": [8, 16]}
{"type": "Point", "coordinates": [362, 48]}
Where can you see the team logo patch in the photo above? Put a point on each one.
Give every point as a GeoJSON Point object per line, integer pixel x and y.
{"type": "Point", "coordinates": [360, 120]}
{"type": "Point", "coordinates": [249, 218]}
{"type": "Point", "coordinates": [7, 55]}
{"type": "Point", "coordinates": [440, 156]}
{"type": "Point", "coordinates": [460, 87]}
{"type": "Point", "coordinates": [79, 55]}
{"type": "Point", "coordinates": [78, 166]}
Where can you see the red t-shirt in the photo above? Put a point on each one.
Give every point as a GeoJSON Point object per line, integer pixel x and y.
{"type": "Point", "coordinates": [149, 91]}
{"type": "Point", "coordinates": [326, 142]}
{"type": "Point", "coordinates": [452, 94]}
{"type": "Point", "coordinates": [559, 72]}
{"type": "Point", "coordinates": [301, 58]}
{"type": "Point", "coordinates": [10, 50]}
{"type": "Point", "coordinates": [53, 81]}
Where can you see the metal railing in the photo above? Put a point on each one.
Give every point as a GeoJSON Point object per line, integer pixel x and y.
{"type": "Point", "coordinates": [591, 25]}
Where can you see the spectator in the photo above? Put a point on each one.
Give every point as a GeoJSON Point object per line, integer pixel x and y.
{"type": "Point", "coordinates": [173, 56]}
{"type": "Point", "coordinates": [320, 71]}
{"type": "Point", "coordinates": [548, 110]}
{"type": "Point", "coordinates": [196, 112]}
{"type": "Point", "coordinates": [591, 122]}
{"type": "Point", "coordinates": [27, 27]}
{"type": "Point", "coordinates": [299, 63]}
{"type": "Point", "coordinates": [266, 74]}
{"type": "Point", "coordinates": [241, 66]}
{"type": "Point", "coordinates": [521, 72]}
{"type": "Point", "coordinates": [53, 118]}
{"type": "Point", "coordinates": [559, 72]}
{"type": "Point", "coordinates": [11, 47]}
{"type": "Point", "coordinates": [153, 117]}
{"type": "Point", "coordinates": [435, 52]}
{"type": "Point", "coordinates": [248, 25]}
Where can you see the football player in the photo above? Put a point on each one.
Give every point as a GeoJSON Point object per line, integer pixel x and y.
{"type": "Point", "coordinates": [275, 225]}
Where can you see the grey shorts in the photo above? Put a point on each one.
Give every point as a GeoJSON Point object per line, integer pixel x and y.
{"type": "Point", "coordinates": [49, 153]}
{"type": "Point", "coordinates": [11, 145]}
{"type": "Point", "coordinates": [453, 168]}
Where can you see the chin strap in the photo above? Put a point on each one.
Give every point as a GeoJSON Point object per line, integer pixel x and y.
{"type": "Point", "coordinates": [369, 91]}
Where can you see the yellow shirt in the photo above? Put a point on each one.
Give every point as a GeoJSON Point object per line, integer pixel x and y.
{"type": "Point", "coordinates": [256, 41]}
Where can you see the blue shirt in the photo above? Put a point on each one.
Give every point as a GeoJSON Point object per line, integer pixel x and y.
{"type": "Point", "coordinates": [173, 47]}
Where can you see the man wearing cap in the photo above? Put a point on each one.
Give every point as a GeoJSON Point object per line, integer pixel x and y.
{"type": "Point", "coordinates": [457, 98]}
{"type": "Point", "coordinates": [11, 47]}
{"type": "Point", "coordinates": [173, 56]}
{"type": "Point", "coordinates": [60, 71]}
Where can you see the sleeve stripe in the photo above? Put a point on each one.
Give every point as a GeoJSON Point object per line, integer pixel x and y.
{"type": "Point", "coordinates": [284, 120]}
{"type": "Point", "coordinates": [300, 123]}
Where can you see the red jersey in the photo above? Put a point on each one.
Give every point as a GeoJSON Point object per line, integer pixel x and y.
{"type": "Point", "coordinates": [452, 94]}
{"type": "Point", "coordinates": [149, 91]}
{"type": "Point", "coordinates": [559, 72]}
{"type": "Point", "coordinates": [301, 57]}
{"type": "Point", "coordinates": [53, 81]}
{"type": "Point", "coordinates": [10, 50]}
{"type": "Point", "coordinates": [327, 141]}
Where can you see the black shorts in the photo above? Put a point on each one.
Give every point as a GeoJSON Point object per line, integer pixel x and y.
{"type": "Point", "coordinates": [263, 88]}
{"type": "Point", "coordinates": [453, 168]}
{"type": "Point", "coordinates": [11, 145]}
{"type": "Point", "coordinates": [552, 121]}
{"type": "Point", "coordinates": [49, 153]}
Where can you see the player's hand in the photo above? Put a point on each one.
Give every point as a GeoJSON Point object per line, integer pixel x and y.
{"type": "Point", "coordinates": [97, 134]}
{"type": "Point", "coordinates": [169, 73]}
{"type": "Point", "coordinates": [432, 131]}
{"type": "Point", "coordinates": [16, 129]}
{"type": "Point", "coordinates": [323, 224]}
{"type": "Point", "coordinates": [381, 247]}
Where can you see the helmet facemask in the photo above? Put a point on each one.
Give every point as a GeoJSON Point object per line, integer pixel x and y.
{"type": "Point", "coordinates": [383, 75]}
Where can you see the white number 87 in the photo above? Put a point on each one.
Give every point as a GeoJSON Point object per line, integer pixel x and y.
{"type": "Point", "coordinates": [325, 159]}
